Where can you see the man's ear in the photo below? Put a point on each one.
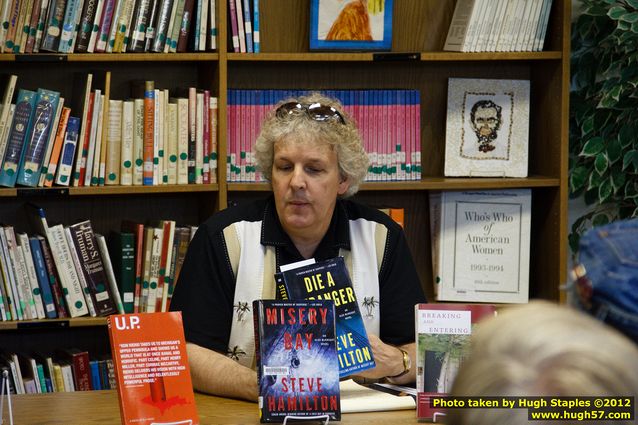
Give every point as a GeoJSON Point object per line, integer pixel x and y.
{"type": "Point", "coordinates": [344, 185]}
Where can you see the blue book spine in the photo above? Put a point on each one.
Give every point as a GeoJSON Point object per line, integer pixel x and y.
{"type": "Point", "coordinates": [68, 152]}
{"type": "Point", "coordinates": [18, 133]}
{"type": "Point", "coordinates": [329, 280]}
{"type": "Point", "coordinates": [38, 138]}
{"type": "Point", "coordinates": [248, 27]}
{"type": "Point", "coordinates": [43, 278]}
{"type": "Point", "coordinates": [68, 27]}
{"type": "Point", "coordinates": [95, 375]}
{"type": "Point", "coordinates": [297, 370]}
{"type": "Point", "coordinates": [256, 43]}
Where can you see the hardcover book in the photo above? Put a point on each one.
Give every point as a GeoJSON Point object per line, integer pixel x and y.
{"type": "Point", "coordinates": [329, 280]}
{"type": "Point", "coordinates": [442, 337]}
{"type": "Point", "coordinates": [151, 368]}
{"type": "Point", "coordinates": [297, 368]}
{"type": "Point", "coordinates": [487, 128]}
{"type": "Point", "coordinates": [351, 25]}
{"type": "Point", "coordinates": [484, 246]}
{"type": "Point", "coordinates": [18, 135]}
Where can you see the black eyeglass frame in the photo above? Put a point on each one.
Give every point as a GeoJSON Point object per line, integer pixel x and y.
{"type": "Point", "coordinates": [316, 111]}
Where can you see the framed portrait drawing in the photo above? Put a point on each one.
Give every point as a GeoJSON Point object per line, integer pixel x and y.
{"type": "Point", "coordinates": [351, 24]}
{"type": "Point", "coordinates": [487, 128]}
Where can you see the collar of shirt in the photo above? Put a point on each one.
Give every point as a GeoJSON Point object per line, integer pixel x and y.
{"type": "Point", "coordinates": [337, 236]}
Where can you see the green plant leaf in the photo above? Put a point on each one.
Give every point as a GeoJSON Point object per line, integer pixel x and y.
{"type": "Point", "coordinates": [630, 17]}
{"type": "Point", "coordinates": [632, 3]}
{"type": "Point", "coordinates": [625, 135]}
{"type": "Point", "coordinates": [577, 178]}
{"type": "Point", "coordinates": [601, 163]}
{"type": "Point", "coordinates": [587, 126]}
{"type": "Point", "coordinates": [630, 161]}
{"type": "Point", "coordinates": [593, 146]}
{"type": "Point", "coordinates": [574, 239]}
{"type": "Point", "coordinates": [631, 190]}
{"type": "Point", "coordinates": [605, 190]}
{"type": "Point", "coordinates": [595, 180]}
{"type": "Point", "coordinates": [617, 179]}
{"type": "Point", "coordinates": [616, 12]}
{"type": "Point", "coordinates": [600, 220]}
{"type": "Point", "coordinates": [614, 150]}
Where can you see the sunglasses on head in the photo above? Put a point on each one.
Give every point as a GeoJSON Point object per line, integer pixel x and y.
{"type": "Point", "coordinates": [316, 111]}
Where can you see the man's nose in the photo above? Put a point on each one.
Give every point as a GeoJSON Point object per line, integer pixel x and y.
{"type": "Point", "coordinates": [298, 179]}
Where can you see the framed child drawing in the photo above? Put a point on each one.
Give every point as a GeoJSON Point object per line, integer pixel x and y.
{"type": "Point", "coordinates": [487, 128]}
{"type": "Point", "coordinates": [351, 24]}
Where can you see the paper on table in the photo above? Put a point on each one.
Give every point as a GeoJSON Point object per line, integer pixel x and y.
{"type": "Point", "coordinates": [357, 398]}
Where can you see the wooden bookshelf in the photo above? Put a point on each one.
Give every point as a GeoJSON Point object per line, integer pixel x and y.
{"type": "Point", "coordinates": [416, 61]}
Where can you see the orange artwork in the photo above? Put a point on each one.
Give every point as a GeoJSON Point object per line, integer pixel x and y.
{"type": "Point", "coordinates": [353, 23]}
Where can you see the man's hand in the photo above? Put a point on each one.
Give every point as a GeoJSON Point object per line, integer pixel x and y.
{"type": "Point", "coordinates": [389, 361]}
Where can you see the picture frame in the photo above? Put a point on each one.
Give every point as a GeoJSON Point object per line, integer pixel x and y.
{"type": "Point", "coordinates": [487, 128]}
{"type": "Point", "coordinates": [333, 25]}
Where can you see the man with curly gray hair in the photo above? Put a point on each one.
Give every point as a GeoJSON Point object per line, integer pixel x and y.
{"type": "Point", "coordinates": [312, 154]}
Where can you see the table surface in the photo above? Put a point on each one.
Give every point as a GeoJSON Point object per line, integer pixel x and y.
{"type": "Point", "coordinates": [101, 407]}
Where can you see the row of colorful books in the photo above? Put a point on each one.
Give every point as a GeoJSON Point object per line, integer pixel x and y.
{"type": "Point", "coordinates": [71, 272]}
{"type": "Point", "coordinates": [87, 26]}
{"type": "Point", "coordinates": [243, 23]}
{"type": "Point", "coordinates": [149, 139]}
{"type": "Point", "coordinates": [389, 122]}
{"type": "Point", "coordinates": [66, 370]}
{"type": "Point", "coordinates": [498, 26]}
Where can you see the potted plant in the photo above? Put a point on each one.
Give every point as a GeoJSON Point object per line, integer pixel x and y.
{"type": "Point", "coordinates": [603, 150]}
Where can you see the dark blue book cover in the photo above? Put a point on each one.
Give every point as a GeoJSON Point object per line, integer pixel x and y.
{"type": "Point", "coordinates": [329, 280]}
{"type": "Point", "coordinates": [297, 369]}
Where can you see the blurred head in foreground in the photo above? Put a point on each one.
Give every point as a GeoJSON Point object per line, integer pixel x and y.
{"type": "Point", "coordinates": [542, 349]}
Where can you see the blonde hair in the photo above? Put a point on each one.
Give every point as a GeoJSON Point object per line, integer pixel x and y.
{"type": "Point", "coordinates": [300, 127]}
{"type": "Point", "coordinates": [542, 349]}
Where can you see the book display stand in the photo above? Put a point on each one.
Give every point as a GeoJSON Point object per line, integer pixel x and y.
{"type": "Point", "coordinates": [325, 418]}
{"type": "Point", "coordinates": [5, 388]}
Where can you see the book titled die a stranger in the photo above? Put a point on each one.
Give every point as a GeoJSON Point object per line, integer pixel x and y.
{"type": "Point", "coordinates": [330, 280]}
{"type": "Point", "coordinates": [297, 369]}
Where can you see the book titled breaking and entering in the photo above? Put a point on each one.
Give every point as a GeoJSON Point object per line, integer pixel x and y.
{"type": "Point", "coordinates": [329, 280]}
{"type": "Point", "coordinates": [297, 368]}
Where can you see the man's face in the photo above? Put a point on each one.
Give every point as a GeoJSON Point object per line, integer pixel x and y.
{"type": "Point", "coordinates": [306, 182]}
{"type": "Point", "coordinates": [485, 121]}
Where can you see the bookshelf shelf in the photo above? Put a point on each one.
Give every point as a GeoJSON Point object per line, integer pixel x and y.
{"type": "Point", "coordinates": [141, 190]}
{"type": "Point", "coordinates": [53, 323]}
{"type": "Point", "coordinates": [393, 57]}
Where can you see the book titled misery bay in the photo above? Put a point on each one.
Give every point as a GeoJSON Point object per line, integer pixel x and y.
{"type": "Point", "coordinates": [297, 368]}
{"type": "Point", "coordinates": [329, 280]}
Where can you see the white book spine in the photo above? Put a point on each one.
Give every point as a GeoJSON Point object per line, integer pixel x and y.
{"type": "Point", "coordinates": [157, 137]}
{"type": "Point", "coordinates": [23, 289]}
{"type": "Point", "coordinates": [171, 26]}
{"type": "Point", "coordinates": [199, 139]}
{"type": "Point", "coordinates": [23, 241]}
{"type": "Point", "coordinates": [77, 263]}
{"type": "Point", "coordinates": [156, 255]}
{"type": "Point", "coordinates": [97, 105]}
{"type": "Point", "coordinates": [138, 141]}
{"type": "Point", "coordinates": [99, 138]}
{"type": "Point", "coordinates": [213, 134]}
{"type": "Point", "coordinates": [73, 291]}
{"type": "Point", "coordinates": [126, 165]}
{"type": "Point", "coordinates": [10, 284]}
{"type": "Point", "coordinates": [114, 143]}
{"type": "Point", "coordinates": [164, 152]}
{"type": "Point", "coordinates": [172, 144]}
{"type": "Point", "coordinates": [203, 18]}
{"type": "Point", "coordinates": [96, 26]}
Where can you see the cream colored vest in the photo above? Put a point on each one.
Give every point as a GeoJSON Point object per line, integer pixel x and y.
{"type": "Point", "coordinates": [254, 267]}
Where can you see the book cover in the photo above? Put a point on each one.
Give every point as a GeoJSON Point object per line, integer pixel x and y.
{"type": "Point", "coordinates": [18, 135]}
{"type": "Point", "coordinates": [297, 369]}
{"type": "Point", "coordinates": [329, 280]}
{"type": "Point", "coordinates": [487, 128]}
{"type": "Point", "coordinates": [92, 267]}
{"type": "Point", "coordinates": [351, 25]}
{"type": "Point", "coordinates": [442, 337]}
{"type": "Point", "coordinates": [151, 368]}
{"type": "Point", "coordinates": [485, 246]}
{"type": "Point", "coordinates": [37, 140]}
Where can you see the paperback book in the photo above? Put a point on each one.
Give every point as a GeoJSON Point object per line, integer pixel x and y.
{"type": "Point", "coordinates": [297, 369]}
{"type": "Point", "coordinates": [329, 280]}
{"type": "Point", "coordinates": [151, 367]}
{"type": "Point", "coordinates": [442, 337]}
